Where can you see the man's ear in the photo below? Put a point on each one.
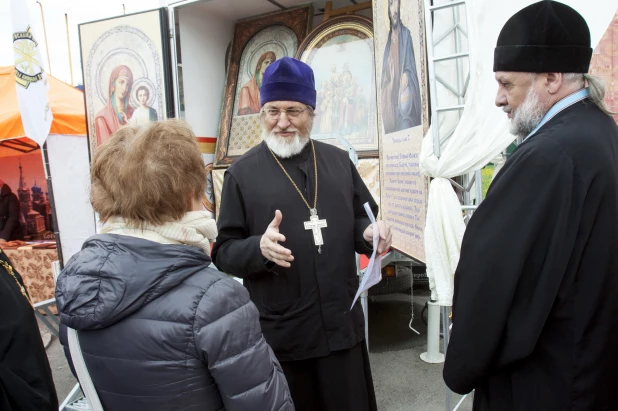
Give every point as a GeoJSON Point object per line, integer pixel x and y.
{"type": "Point", "coordinates": [553, 82]}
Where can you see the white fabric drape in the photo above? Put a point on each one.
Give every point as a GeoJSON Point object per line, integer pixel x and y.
{"type": "Point", "coordinates": [70, 174]}
{"type": "Point", "coordinates": [481, 134]}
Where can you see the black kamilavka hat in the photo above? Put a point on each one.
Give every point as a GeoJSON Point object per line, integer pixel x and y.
{"type": "Point", "coordinates": [544, 37]}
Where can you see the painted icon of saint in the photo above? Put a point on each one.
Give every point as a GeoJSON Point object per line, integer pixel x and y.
{"type": "Point", "coordinates": [401, 97]}
{"type": "Point", "coordinates": [118, 111]}
{"type": "Point", "coordinates": [250, 92]}
{"type": "Point", "coordinates": [143, 114]}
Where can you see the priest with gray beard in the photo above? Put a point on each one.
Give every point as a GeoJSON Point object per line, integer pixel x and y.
{"type": "Point", "coordinates": [535, 310]}
{"type": "Point", "coordinates": [291, 219]}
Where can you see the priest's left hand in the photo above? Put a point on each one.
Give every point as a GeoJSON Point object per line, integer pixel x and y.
{"type": "Point", "coordinates": [385, 236]}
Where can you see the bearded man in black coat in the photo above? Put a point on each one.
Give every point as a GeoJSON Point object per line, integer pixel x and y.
{"type": "Point", "coordinates": [291, 218]}
{"type": "Point", "coordinates": [535, 310]}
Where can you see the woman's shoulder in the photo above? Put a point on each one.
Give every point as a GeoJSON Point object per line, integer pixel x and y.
{"type": "Point", "coordinates": [213, 283]}
{"type": "Point", "coordinates": [201, 298]}
{"type": "Point", "coordinates": [216, 294]}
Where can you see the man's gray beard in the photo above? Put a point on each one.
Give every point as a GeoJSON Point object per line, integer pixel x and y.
{"type": "Point", "coordinates": [528, 115]}
{"type": "Point", "coordinates": [285, 147]}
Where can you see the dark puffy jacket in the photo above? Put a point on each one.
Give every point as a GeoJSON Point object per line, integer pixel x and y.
{"type": "Point", "coordinates": [161, 331]}
{"type": "Point", "coordinates": [10, 227]}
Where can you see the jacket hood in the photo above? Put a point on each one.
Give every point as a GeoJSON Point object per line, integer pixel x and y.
{"type": "Point", "coordinates": [114, 276]}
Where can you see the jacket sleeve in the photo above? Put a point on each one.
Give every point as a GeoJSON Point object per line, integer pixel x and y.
{"type": "Point", "coordinates": [64, 341]}
{"type": "Point", "coordinates": [362, 221]}
{"type": "Point", "coordinates": [235, 251]}
{"type": "Point", "coordinates": [13, 218]}
{"type": "Point", "coordinates": [229, 339]}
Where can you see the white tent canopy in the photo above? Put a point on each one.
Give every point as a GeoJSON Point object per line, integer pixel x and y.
{"type": "Point", "coordinates": [481, 134]}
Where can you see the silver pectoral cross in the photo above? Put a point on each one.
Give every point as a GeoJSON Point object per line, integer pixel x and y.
{"type": "Point", "coordinates": [316, 225]}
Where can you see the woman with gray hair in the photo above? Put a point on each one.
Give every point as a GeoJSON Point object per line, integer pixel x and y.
{"type": "Point", "coordinates": [158, 328]}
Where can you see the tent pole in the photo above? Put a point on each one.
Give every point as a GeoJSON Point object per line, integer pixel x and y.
{"type": "Point", "coordinates": [45, 34]}
{"type": "Point", "coordinates": [52, 204]}
{"type": "Point", "coordinates": [66, 18]}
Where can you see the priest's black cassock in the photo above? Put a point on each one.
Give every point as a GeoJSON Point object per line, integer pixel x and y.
{"type": "Point", "coordinates": [535, 311]}
{"type": "Point", "coordinates": [305, 309]}
{"type": "Point", "coordinates": [26, 382]}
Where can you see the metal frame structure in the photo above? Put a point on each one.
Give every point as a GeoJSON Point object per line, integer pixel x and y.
{"type": "Point", "coordinates": [54, 324]}
{"type": "Point", "coordinates": [459, 89]}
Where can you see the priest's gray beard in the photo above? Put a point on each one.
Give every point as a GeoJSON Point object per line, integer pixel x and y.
{"type": "Point", "coordinates": [527, 116]}
{"type": "Point", "coordinates": [285, 147]}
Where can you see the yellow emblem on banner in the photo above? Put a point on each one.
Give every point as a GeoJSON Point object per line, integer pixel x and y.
{"type": "Point", "coordinates": [27, 69]}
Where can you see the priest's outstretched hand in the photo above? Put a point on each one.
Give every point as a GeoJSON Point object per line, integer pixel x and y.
{"type": "Point", "coordinates": [386, 237]}
{"type": "Point", "coordinates": [269, 244]}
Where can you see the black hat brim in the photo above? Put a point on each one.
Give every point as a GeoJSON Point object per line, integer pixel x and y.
{"type": "Point", "coordinates": [543, 59]}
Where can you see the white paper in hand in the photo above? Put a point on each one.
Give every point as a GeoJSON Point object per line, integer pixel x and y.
{"type": "Point", "coordinates": [373, 273]}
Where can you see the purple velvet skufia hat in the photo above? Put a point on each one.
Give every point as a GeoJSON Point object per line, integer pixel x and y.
{"type": "Point", "coordinates": [288, 79]}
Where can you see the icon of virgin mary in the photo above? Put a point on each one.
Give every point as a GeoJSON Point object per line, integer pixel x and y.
{"type": "Point", "coordinates": [250, 92]}
{"type": "Point", "coordinates": [118, 111]}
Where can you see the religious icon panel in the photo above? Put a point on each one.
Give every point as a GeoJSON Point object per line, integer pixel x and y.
{"type": "Point", "coordinates": [400, 62]}
{"type": "Point", "coordinates": [125, 64]}
{"type": "Point", "coordinates": [340, 52]}
{"type": "Point", "coordinates": [258, 42]}
{"type": "Point", "coordinates": [264, 48]}
{"type": "Point", "coordinates": [403, 118]}
{"type": "Point", "coordinates": [208, 199]}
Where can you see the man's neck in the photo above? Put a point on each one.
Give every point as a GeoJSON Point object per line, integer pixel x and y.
{"type": "Point", "coordinates": [562, 94]}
